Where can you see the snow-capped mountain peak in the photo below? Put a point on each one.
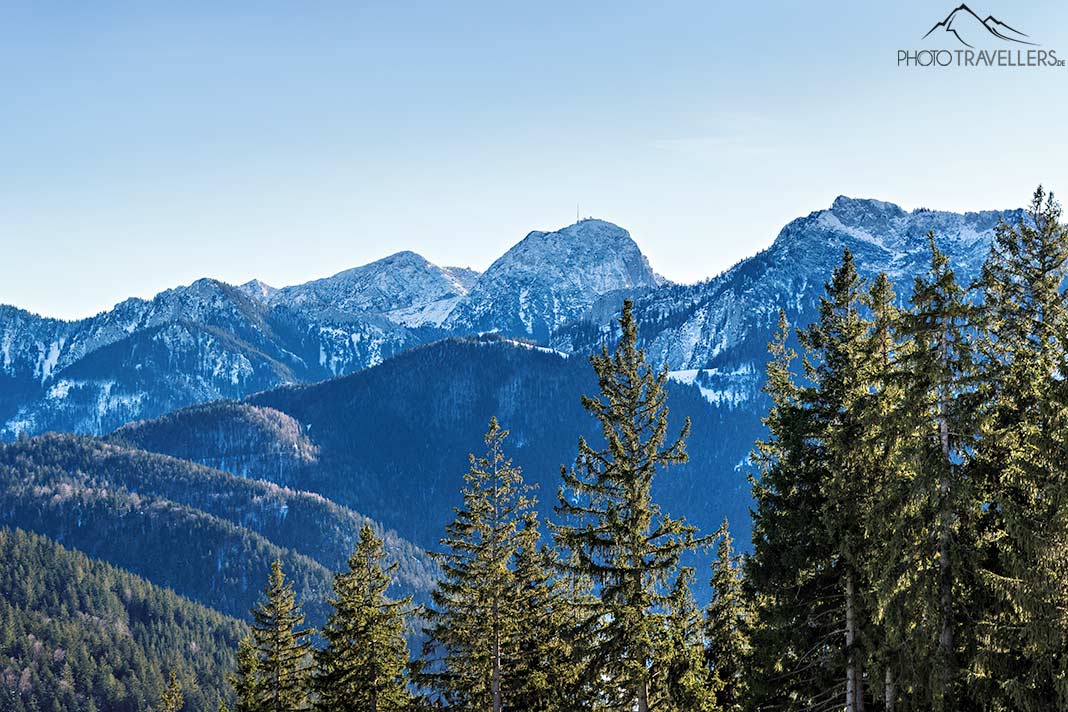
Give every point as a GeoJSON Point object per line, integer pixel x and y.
{"type": "Point", "coordinates": [550, 278]}
{"type": "Point", "coordinates": [258, 290]}
{"type": "Point", "coordinates": [561, 288]}
{"type": "Point", "coordinates": [405, 287]}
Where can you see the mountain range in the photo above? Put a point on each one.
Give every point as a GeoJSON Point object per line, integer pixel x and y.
{"type": "Point", "coordinates": [210, 341]}
{"type": "Point", "coordinates": [255, 423]}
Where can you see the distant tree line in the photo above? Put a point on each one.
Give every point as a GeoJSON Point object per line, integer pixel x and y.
{"type": "Point", "coordinates": [79, 634]}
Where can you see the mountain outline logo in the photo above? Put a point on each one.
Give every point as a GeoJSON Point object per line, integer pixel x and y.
{"type": "Point", "coordinates": [962, 20]}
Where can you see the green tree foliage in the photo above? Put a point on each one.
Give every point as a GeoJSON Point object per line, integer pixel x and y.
{"type": "Point", "coordinates": [812, 654]}
{"type": "Point", "coordinates": [172, 699]}
{"type": "Point", "coordinates": [362, 667]}
{"type": "Point", "coordinates": [789, 576]}
{"type": "Point", "coordinates": [926, 503]}
{"type": "Point", "coordinates": [282, 648]}
{"type": "Point", "coordinates": [727, 628]}
{"type": "Point", "coordinates": [616, 532]}
{"type": "Point", "coordinates": [680, 670]}
{"type": "Point", "coordinates": [246, 680]}
{"type": "Point", "coordinates": [79, 634]}
{"type": "Point", "coordinates": [482, 623]}
{"type": "Point", "coordinates": [1022, 464]}
{"type": "Point", "coordinates": [838, 371]}
{"type": "Point", "coordinates": [544, 673]}
{"type": "Point", "coordinates": [913, 491]}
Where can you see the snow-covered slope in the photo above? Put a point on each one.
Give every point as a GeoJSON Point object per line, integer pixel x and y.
{"type": "Point", "coordinates": [551, 278]}
{"type": "Point", "coordinates": [210, 340]}
{"type": "Point", "coordinates": [716, 332]}
{"type": "Point", "coordinates": [404, 288]}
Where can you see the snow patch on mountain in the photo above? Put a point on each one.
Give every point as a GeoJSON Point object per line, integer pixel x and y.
{"type": "Point", "coordinates": [551, 278]}
{"type": "Point", "coordinates": [404, 287]}
{"type": "Point", "coordinates": [556, 290]}
{"type": "Point", "coordinates": [258, 290]}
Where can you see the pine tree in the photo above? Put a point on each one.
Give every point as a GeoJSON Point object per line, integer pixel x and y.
{"type": "Point", "coordinates": [282, 648]}
{"type": "Point", "coordinates": [1022, 464]}
{"type": "Point", "coordinates": [477, 617]}
{"type": "Point", "coordinates": [727, 627]}
{"type": "Point", "coordinates": [617, 533]}
{"type": "Point", "coordinates": [362, 666]}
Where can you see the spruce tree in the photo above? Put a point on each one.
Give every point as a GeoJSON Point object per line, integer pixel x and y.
{"type": "Point", "coordinates": [789, 577]}
{"type": "Point", "coordinates": [727, 626]}
{"type": "Point", "coordinates": [891, 516]}
{"type": "Point", "coordinates": [838, 372]}
{"type": "Point", "coordinates": [616, 532]}
{"type": "Point", "coordinates": [172, 699]}
{"type": "Point", "coordinates": [477, 618]}
{"type": "Point", "coordinates": [679, 668]}
{"type": "Point", "coordinates": [1022, 465]}
{"type": "Point", "coordinates": [362, 666]}
{"type": "Point", "coordinates": [245, 681]}
{"type": "Point", "coordinates": [542, 672]}
{"type": "Point", "coordinates": [931, 515]}
{"type": "Point", "coordinates": [282, 648]}
{"type": "Point", "coordinates": [820, 433]}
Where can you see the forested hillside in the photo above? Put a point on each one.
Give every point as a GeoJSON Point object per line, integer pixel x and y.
{"type": "Point", "coordinates": [394, 439]}
{"type": "Point", "coordinates": [129, 507]}
{"type": "Point", "coordinates": [79, 634]}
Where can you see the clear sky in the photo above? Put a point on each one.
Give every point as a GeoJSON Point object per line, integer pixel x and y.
{"type": "Point", "coordinates": [145, 144]}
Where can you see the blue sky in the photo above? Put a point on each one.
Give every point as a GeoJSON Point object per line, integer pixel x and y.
{"type": "Point", "coordinates": [143, 145]}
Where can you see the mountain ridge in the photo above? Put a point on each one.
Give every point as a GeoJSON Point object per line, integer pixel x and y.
{"type": "Point", "coordinates": [210, 340]}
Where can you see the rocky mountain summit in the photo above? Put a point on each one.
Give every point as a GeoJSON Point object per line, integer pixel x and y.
{"type": "Point", "coordinates": [561, 289]}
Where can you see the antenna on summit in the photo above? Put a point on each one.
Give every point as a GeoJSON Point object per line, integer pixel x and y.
{"type": "Point", "coordinates": [576, 212]}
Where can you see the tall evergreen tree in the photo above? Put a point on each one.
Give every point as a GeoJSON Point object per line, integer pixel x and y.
{"type": "Point", "coordinates": [789, 577]}
{"type": "Point", "coordinates": [282, 647]}
{"type": "Point", "coordinates": [1022, 464]}
{"type": "Point", "coordinates": [727, 625]}
{"type": "Point", "coordinates": [680, 668]}
{"type": "Point", "coordinates": [879, 448]}
{"type": "Point", "coordinates": [838, 371]}
{"type": "Point", "coordinates": [478, 618]}
{"type": "Point", "coordinates": [544, 666]}
{"type": "Point", "coordinates": [926, 522]}
{"type": "Point", "coordinates": [820, 432]}
{"type": "Point", "coordinates": [362, 666]}
{"type": "Point", "coordinates": [616, 532]}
